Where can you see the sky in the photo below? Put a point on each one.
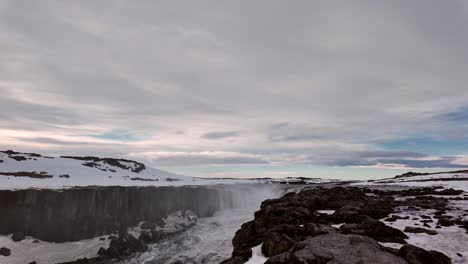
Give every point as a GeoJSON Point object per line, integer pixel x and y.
{"type": "Point", "coordinates": [334, 89]}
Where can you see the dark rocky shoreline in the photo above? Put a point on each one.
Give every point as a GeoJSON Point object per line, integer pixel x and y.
{"type": "Point", "coordinates": [291, 230]}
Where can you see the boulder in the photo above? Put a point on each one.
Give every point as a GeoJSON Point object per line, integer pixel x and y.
{"type": "Point", "coordinates": [124, 246]}
{"type": "Point", "coordinates": [376, 230]}
{"type": "Point", "coordinates": [275, 243]}
{"type": "Point", "coordinates": [416, 255]}
{"type": "Point", "coordinates": [5, 252]}
{"type": "Point", "coordinates": [411, 229]}
{"type": "Point", "coordinates": [18, 236]}
{"type": "Point", "coordinates": [337, 249]}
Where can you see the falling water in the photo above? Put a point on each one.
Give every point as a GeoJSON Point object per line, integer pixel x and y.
{"type": "Point", "coordinates": [210, 240]}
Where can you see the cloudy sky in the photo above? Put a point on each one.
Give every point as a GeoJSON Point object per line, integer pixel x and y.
{"type": "Point", "coordinates": [344, 89]}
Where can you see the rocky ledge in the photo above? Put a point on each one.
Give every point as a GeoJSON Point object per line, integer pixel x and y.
{"type": "Point", "coordinates": [339, 226]}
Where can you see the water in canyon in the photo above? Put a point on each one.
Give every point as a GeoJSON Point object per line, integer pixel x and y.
{"type": "Point", "coordinates": [210, 241]}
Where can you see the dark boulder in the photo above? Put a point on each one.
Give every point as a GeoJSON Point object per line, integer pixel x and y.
{"type": "Point", "coordinates": [341, 249]}
{"type": "Point", "coordinates": [18, 236]}
{"type": "Point", "coordinates": [376, 230]}
{"type": "Point", "coordinates": [416, 255]}
{"type": "Point", "coordinates": [124, 246]}
{"type": "Point", "coordinates": [5, 252]}
{"type": "Point", "coordinates": [410, 229]}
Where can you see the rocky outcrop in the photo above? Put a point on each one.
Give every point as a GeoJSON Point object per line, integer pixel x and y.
{"type": "Point", "coordinates": [119, 163]}
{"type": "Point", "coordinates": [337, 249]}
{"type": "Point", "coordinates": [416, 255]}
{"type": "Point", "coordinates": [291, 230]}
{"type": "Point", "coordinates": [5, 252]}
{"type": "Point", "coordinates": [80, 213]}
{"type": "Point", "coordinates": [412, 229]}
{"type": "Point", "coordinates": [33, 174]}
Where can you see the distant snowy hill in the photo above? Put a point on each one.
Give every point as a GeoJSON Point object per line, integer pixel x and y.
{"type": "Point", "coordinates": [451, 179]}
{"type": "Point", "coordinates": [31, 170]}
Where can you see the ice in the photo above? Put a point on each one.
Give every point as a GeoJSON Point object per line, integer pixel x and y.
{"type": "Point", "coordinates": [327, 212]}
{"type": "Point", "coordinates": [449, 240]}
{"type": "Point", "coordinates": [27, 251]}
{"type": "Point", "coordinates": [257, 256]}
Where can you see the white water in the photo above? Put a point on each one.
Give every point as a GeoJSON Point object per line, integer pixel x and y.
{"type": "Point", "coordinates": [210, 241]}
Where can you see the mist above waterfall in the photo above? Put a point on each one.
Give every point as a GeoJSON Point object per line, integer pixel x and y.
{"type": "Point", "coordinates": [210, 240]}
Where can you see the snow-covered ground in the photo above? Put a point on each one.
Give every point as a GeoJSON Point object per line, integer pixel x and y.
{"type": "Point", "coordinates": [57, 172]}
{"type": "Point", "coordinates": [456, 180]}
{"type": "Point", "coordinates": [451, 240]}
{"type": "Point", "coordinates": [23, 171]}
{"type": "Point", "coordinates": [30, 250]}
{"type": "Point", "coordinates": [257, 256]}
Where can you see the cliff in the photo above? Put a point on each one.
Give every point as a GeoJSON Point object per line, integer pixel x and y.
{"type": "Point", "coordinates": [79, 213]}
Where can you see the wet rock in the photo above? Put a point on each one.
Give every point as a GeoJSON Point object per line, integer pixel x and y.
{"type": "Point", "coordinates": [86, 212]}
{"type": "Point", "coordinates": [124, 246]}
{"type": "Point", "coordinates": [145, 236]}
{"type": "Point", "coordinates": [18, 236]}
{"type": "Point", "coordinates": [445, 222]}
{"type": "Point", "coordinates": [410, 229]}
{"type": "Point", "coordinates": [275, 243]}
{"type": "Point", "coordinates": [416, 255]}
{"type": "Point", "coordinates": [342, 249]}
{"type": "Point", "coordinates": [5, 251]}
{"type": "Point", "coordinates": [148, 225]}
{"type": "Point", "coordinates": [376, 230]}
{"type": "Point", "coordinates": [393, 218]}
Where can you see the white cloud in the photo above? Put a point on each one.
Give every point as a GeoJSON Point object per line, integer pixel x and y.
{"type": "Point", "coordinates": [341, 77]}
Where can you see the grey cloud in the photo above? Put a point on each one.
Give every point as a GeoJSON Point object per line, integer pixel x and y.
{"type": "Point", "coordinates": [220, 135]}
{"type": "Point", "coordinates": [190, 160]}
{"type": "Point", "coordinates": [413, 163]}
{"type": "Point", "coordinates": [319, 71]}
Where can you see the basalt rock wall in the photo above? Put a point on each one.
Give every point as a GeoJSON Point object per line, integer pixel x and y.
{"type": "Point", "coordinates": [80, 213]}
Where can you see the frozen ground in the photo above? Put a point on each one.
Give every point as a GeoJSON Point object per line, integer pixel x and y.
{"type": "Point", "coordinates": [42, 252]}
{"type": "Point", "coordinates": [42, 172]}
{"type": "Point", "coordinates": [454, 180]}
{"type": "Point", "coordinates": [452, 240]}
{"type": "Point", "coordinates": [57, 173]}
{"type": "Point", "coordinates": [257, 256]}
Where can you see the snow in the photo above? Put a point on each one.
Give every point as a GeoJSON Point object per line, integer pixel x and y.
{"type": "Point", "coordinates": [80, 175]}
{"type": "Point", "coordinates": [327, 212]}
{"type": "Point", "coordinates": [338, 225]}
{"type": "Point", "coordinates": [429, 180]}
{"type": "Point", "coordinates": [449, 240]}
{"type": "Point", "coordinates": [26, 251]}
{"type": "Point", "coordinates": [257, 256]}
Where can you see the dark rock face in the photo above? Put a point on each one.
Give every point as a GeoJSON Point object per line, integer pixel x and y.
{"type": "Point", "coordinates": [5, 252]}
{"type": "Point", "coordinates": [338, 249]}
{"type": "Point", "coordinates": [35, 175]}
{"type": "Point", "coordinates": [410, 229]}
{"type": "Point", "coordinates": [120, 163]}
{"type": "Point", "coordinates": [18, 236]}
{"type": "Point", "coordinates": [292, 231]}
{"type": "Point", "coordinates": [19, 156]}
{"type": "Point", "coordinates": [376, 230]}
{"type": "Point", "coordinates": [415, 255]}
{"type": "Point", "coordinates": [124, 246]}
{"type": "Point", "coordinates": [80, 213]}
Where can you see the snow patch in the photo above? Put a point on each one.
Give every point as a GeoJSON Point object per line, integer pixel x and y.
{"type": "Point", "coordinates": [257, 256]}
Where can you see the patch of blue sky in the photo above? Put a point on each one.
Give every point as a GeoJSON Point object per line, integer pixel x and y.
{"type": "Point", "coordinates": [428, 145]}
{"type": "Point", "coordinates": [118, 135]}
{"type": "Point", "coordinates": [460, 115]}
